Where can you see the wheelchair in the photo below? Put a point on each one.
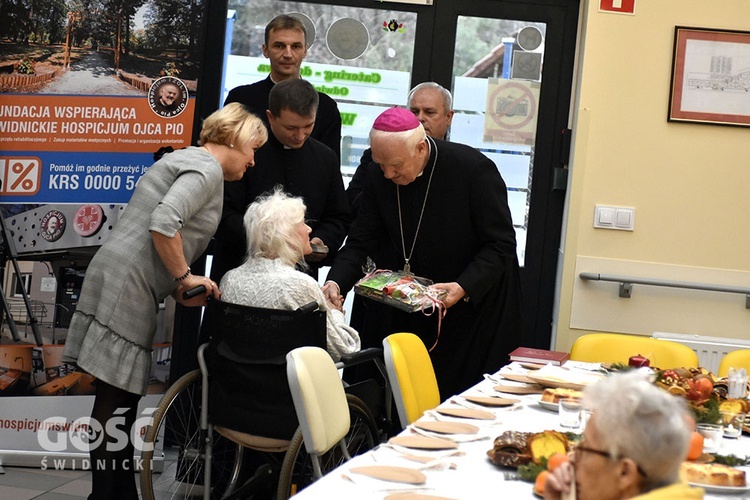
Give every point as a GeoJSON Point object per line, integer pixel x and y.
{"type": "Point", "coordinates": [240, 398]}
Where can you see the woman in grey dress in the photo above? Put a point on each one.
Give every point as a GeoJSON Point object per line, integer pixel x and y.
{"type": "Point", "coordinates": [167, 225]}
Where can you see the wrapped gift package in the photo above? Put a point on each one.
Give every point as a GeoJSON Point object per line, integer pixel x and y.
{"type": "Point", "coordinates": [403, 291]}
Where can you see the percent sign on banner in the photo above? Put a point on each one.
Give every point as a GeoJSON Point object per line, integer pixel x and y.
{"type": "Point", "coordinates": [20, 175]}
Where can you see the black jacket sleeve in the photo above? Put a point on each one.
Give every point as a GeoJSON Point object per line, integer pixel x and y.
{"type": "Point", "coordinates": [359, 182]}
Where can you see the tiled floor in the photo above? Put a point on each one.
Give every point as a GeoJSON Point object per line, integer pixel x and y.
{"type": "Point", "coordinates": [25, 483]}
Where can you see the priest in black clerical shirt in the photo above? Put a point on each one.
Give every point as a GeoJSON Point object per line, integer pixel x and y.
{"type": "Point", "coordinates": [286, 47]}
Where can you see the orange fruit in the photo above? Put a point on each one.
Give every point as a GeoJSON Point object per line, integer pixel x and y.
{"type": "Point", "coordinates": [540, 480]}
{"type": "Point", "coordinates": [556, 461]}
{"type": "Point", "coordinates": [704, 385]}
{"type": "Point", "coordinates": [695, 449]}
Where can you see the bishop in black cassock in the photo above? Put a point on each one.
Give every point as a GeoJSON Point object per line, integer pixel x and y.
{"type": "Point", "coordinates": [465, 243]}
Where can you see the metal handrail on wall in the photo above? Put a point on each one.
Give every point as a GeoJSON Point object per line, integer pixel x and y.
{"type": "Point", "coordinates": [627, 282]}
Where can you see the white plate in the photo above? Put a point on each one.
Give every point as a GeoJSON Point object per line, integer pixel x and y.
{"type": "Point", "coordinates": [548, 406]}
{"type": "Point", "coordinates": [721, 489]}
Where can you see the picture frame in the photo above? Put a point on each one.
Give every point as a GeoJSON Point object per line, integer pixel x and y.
{"type": "Point", "coordinates": [710, 77]}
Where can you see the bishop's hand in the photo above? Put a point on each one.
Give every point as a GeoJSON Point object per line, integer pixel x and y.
{"type": "Point", "coordinates": [455, 292]}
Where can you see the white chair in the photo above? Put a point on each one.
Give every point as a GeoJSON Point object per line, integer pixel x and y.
{"type": "Point", "coordinates": [320, 402]}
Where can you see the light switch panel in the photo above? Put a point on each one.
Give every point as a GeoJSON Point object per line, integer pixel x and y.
{"type": "Point", "coordinates": [606, 216]}
{"type": "Point", "coordinates": [624, 218]}
{"type": "Point", "coordinates": [609, 217]}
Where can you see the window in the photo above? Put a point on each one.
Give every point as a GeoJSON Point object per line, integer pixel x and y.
{"type": "Point", "coordinates": [500, 59]}
{"type": "Point", "coordinates": [21, 283]}
{"type": "Point", "coordinates": [362, 58]}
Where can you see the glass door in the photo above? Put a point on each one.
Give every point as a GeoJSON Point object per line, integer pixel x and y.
{"type": "Point", "coordinates": [509, 64]}
{"type": "Point", "coordinates": [496, 86]}
{"type": "Point", "coordinates": [510, 69]}
{"type": "Point", "coordinates": [360, 56]}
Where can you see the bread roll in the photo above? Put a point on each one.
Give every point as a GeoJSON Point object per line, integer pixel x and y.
{"type": "Point", "coordinates": [555, 395]}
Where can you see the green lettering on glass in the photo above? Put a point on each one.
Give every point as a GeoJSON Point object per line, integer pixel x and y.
{"type": "Point", "coordinates": [348, 118]}
{"type": "Point", "coordinates": [337, 91]}
{"type": "Point", "coordinates": [330, 76]}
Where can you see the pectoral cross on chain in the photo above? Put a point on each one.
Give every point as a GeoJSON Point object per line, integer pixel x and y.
{"type": "Point", "coordinates": [407, 267]}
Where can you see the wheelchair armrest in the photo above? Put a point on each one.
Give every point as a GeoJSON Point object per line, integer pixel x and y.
{"type": "Point", "coordinates": [356, 358]}
{"type": "Point", "coordinates": [308, 308]}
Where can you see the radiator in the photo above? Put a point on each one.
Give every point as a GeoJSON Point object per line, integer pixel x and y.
{"type": "Point", "coordinates": [710, 350]}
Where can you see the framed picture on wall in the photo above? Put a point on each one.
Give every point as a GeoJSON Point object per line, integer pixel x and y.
{"type": "Point", "coordinates": [710, 77]}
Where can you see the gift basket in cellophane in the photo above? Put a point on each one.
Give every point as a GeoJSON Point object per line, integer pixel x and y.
{"type": "Point", "coordinates": [401, 290]}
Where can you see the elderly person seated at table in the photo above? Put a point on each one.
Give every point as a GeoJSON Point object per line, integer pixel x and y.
{"type": "Point", "coordinates": [278, 240]}
{"type": "Point", "coordinates": [632, 447]}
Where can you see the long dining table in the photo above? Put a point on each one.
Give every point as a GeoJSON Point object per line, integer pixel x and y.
{"type": "Point", "coordinates": [466, 472]}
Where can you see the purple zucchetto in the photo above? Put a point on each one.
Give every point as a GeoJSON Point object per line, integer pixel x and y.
{"type": "Point", "coordinates": [395, 120]}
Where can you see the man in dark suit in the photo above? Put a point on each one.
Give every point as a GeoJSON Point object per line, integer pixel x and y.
{"type": "Point", "coordinates": [286, 47]}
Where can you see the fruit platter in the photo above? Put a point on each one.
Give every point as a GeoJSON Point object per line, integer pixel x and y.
{"type": "Point", "coordinates": [535, 455]}
{"type": "Point", "coordinates": [705, 393]}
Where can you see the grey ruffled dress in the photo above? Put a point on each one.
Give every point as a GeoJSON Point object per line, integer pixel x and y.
{"type": "Point", "coordinates": [112, 331]}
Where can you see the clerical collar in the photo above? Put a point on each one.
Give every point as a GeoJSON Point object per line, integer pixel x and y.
{"type": "Point", "coordinates": [276, 142]}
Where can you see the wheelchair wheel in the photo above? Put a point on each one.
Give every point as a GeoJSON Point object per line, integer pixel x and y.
{"type": "Point", "coordinates": [179, 445]}
{"type": "Point", "coordinates": [297, 469]}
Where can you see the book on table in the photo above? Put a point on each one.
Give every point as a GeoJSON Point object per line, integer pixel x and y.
{"type": "Point", "coordinates": [540, 356]}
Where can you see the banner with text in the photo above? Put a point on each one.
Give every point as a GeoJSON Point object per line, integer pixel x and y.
{"type": "Point", "coordinates": [86, 100]}
{"type": "Point", "coordinates": [56, 149]}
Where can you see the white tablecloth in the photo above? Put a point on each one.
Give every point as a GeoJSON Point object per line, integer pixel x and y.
{"type": "Point", "coordinates": [474, 477]}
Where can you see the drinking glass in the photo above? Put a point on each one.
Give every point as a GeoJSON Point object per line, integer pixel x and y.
{"type": "Point", "coordinates": [737, 379]}
{"type": "Point", "coordinates": [569, 410]}
{"type": "Point", "coordinates": [585, 416]}
{"type": "Point", "coordinates": [712, 434]}
{"type": "Point", "coordinates": [733, 423]}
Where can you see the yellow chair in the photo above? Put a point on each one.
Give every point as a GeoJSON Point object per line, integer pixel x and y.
{"type": "Point", "coordinates": [618, 348]}
{"type": "Point", "coordinates": [734, 359]}
{"type": "Point", "coordinates": [411, 375]}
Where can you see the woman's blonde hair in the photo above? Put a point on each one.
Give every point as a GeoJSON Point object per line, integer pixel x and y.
{"type": "Point", "coordinates": [271, 227]}
{"type": "Point", "coordinates": [233, 126]}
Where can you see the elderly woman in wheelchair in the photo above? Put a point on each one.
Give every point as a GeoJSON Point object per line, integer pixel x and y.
{"type": "Point", "coordinates": [240, 399]}
{"type": "Point", "coordinates": [278, 240]}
